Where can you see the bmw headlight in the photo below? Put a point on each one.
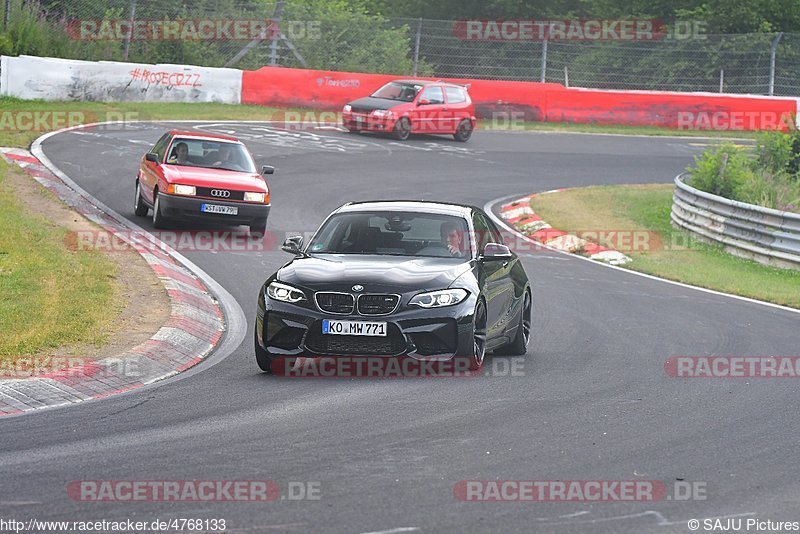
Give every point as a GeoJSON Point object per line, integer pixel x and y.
{"type": "Point", "coordinates": [347, 108]}
{"type": "Point", "coordinates": [382, 113]}
{"type": "Point", "coordinates": [285, 293]}
{"type": "Point", "coordinates": [254, 197]}
{"type": "Point", "coordinates": [439, 299]}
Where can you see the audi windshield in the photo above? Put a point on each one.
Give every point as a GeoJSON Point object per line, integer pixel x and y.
{"type": "Point", "coordinates": [210, 154]}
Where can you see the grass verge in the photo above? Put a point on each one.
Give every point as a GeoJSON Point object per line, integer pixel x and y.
{"type": "Point", "coordinates": [50, 297]}
{"type": "Point", "coordinates": [671, 253]}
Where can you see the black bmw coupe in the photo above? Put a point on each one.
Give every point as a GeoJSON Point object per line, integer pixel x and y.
{"type": "Point", "coordinates": [424, 280]}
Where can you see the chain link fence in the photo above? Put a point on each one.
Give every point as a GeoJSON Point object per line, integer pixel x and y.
{"type": "Point", "coordinates": [335, 37]}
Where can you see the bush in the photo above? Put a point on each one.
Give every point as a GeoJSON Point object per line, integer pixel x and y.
{"type": "Point", "coordinates": [769, 180]}
{"type": "Point", "coordinates": [777, 151]}
{"type": "Point", "coordinates": [722, 171]}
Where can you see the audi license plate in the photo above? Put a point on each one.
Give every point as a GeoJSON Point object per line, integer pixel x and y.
{"type": "Point", "coordinates": [223, 210]}
{"type": "Point", "coordinates": [353, 328]}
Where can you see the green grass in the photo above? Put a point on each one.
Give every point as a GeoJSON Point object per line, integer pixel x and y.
{"type": "Point", "coordinates": [647, 207]}
{"type": "Point", "coordinates": [50, 297]}
{"type": "Point", "coordinates": [619, 129]}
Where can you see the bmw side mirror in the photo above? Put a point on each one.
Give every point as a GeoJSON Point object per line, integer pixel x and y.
{"type": "Point", "coordinates": [267, 169]}
{"type": "Point", "coordinates": [151, 156]}
{"type": "Point", "coordinates": [495, 252]}
{"type": "Point", "coordinates": [293, 244]}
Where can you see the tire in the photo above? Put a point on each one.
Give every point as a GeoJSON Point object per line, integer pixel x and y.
{"type": "Point", "coordinates": [159, 221]}
{"type": "Point", "coordinates": [519, 346]}
{"type": "Point", "coordinates": [478, 353]}
{"type": "Point", "coordinates": [262, 357]}
{"type": "Point", "coordinates": [352, 130]}
{"type": "Point", "coordinates": [402, 129]}
{"type": "Point", "coordinates": [464, 131]}
{"type": "Point", "coordinates": [139, 207]}
{"type": "Point", "coordinates": [259, 227]}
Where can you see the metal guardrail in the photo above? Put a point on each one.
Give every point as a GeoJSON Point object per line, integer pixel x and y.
{"type": "Point", "coordinates": [765, 235]}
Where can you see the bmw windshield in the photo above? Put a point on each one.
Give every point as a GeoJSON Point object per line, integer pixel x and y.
{"type": "Point", "coordinates": [393, 233]}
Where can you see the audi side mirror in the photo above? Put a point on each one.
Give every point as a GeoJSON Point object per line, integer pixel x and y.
{"type": "Point", "coordinates": [495, 252]}
{"type": "Point", "coordinates": [293, 244]}
{"type": "Point", "coordinates": [151, 156]}
{"type": "Point", "coordinates": [424, 102]}
{"type": "Point", "coordinates": [267, 169]}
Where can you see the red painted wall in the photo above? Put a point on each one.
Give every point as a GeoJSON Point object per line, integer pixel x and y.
{"type": "Point", "coordinates": [283, 87]}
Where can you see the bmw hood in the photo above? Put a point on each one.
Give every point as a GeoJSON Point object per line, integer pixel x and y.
{"type": "Point", "coordinates": [390, 274]}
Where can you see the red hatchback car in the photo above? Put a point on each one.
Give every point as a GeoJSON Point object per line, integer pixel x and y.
{"type": "Point", "coordinates": [403, 107]}
{"type": "Point", "coordinates": [192, 177]}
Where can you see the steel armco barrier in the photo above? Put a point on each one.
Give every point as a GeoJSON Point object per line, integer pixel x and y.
{"type": "Point", "coordinates": [765, 235]}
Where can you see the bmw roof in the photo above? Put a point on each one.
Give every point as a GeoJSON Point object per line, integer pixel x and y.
{"type": "Point", "coordinates": [422, 206]}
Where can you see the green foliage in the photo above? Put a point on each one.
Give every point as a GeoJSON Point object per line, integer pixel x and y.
{"type": "Point", "coordinates": [765, 179]}
{"type": "Point", "coordinates": [721, 171]}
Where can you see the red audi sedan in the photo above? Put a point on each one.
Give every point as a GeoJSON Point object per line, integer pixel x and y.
{"type": "Point", "coordinates": [193, 176]}
{"type": "Point", "coordinates": [405, 107]}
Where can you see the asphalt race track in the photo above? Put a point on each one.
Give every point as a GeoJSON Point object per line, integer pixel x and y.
{"type": "Point", "coordinates": [594, 403]}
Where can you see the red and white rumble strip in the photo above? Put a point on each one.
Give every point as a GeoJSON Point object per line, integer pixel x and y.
{"type": "Point", "coordinates": [520, 215]}
{"type": "Point", "coordinates": [193, 330]}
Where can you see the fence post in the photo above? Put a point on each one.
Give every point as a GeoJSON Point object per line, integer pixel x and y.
{"type": "Point", "coordinates": [273, 47]}
{"type": "Point", "coordinates": [566, 76]}
{"type": "Point", "coordinates": [544, 60]}
{"type": "Point", "coordinates": [6, 14]}
{"type": "Point", "coordinates": [721, 79]}
{"type": "Point", "coordinates": [132, 13]}
{"type": "Point", "coordinates": [772, 51]}
{"type": "Point", "coordinates": [416, 46]}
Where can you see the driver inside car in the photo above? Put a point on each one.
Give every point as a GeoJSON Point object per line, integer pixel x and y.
{"type": "Point", "coordinates": [180, 154]}
{"type": "Point", "coordinates": [453, 238]}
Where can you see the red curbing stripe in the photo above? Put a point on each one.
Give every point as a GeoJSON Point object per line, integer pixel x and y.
{"type": "Point", "coordinates": [186, 298]}
{"type": "Point", "coordinates": [547, 234]}
{"type": "Point", "coordinates": [593, 248]}
{"type": "Point", "coordinates": [189, 364]}
{"type": "Point", "coordinates": [175, 275]}
{"type": "Point", "coordinates": [18, 157]}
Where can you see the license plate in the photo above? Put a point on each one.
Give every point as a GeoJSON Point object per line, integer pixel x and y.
{"type": "Point", "coordinates": [223, 210]}
{"type": "Point", "coordinates": [353, 328]}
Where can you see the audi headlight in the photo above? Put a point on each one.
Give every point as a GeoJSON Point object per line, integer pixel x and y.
{"type": "Point", "coordinates": [382, 113]}
{"type": "Point", "coordinates": [347, 108]}
{"type": "Point", "coordinates": [439, 299]}
{"type": "Point", "coordinates": [254, 197]}
{"type": "Point", "coordinates": [285, 293]}
{"type": "Point", "coordinates": [188, 190]}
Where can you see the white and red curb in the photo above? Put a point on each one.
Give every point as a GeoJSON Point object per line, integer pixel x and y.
{"type": "Point", "coordinates": [519, 214]}
{"type": "Point", "coordinates": [194, 328]}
